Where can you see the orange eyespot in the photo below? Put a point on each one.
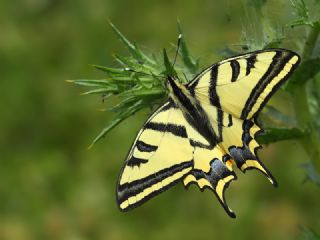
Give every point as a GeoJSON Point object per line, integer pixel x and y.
{"type": "Point", "coordinates": [229, 163]}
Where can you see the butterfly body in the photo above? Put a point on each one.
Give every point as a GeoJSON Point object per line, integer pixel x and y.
{"type": "Point", "coordinates": [205, 128]}
{"type": "Point", "coordinates": [181, 97]}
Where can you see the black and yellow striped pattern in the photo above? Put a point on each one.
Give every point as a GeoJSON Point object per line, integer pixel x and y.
{"type": "Point", "coordinates": [242, 85]}
{"type": "Point", "coordinates": [151, 167]}
{"type": "Point", "coordinates": [206, 127]}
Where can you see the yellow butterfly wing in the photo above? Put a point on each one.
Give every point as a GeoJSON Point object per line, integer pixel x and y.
{"type": "Point", "coordinates": [170, 148]}
{"type": "Point", "coordinates": [243, 84]}
{"type": "Point", "coordinates": [160, 156]}
{"type": "Point", "coordinates": [212, 170]}
{"type": "Point", "coordinates": [233, 92]}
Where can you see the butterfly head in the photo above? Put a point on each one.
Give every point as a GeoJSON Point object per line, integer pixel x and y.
{"type": "Point", "coordinates": [172, 84]}
{"type": "Point", "coordinates": [178, 91]}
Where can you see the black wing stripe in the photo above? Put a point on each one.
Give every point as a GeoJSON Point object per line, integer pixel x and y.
{"type": "Point", "coordinates": [133, 161]}
{"type": "Point", "coordinates": [145, 147]}
{"type": "Point", "coordinates": [131, 189]}
{"type": "Point", "coordinates": [151, 195]}
{"type": "Point", "coordinates": [235, 70]}
{"type": "Point", "coordinates": [177, 130]}
{"type": "Point", "coordinates": [193, 86]}
{"type": "Point", "coordinates": [215, 100]}
{"type": "Point", "coordinates": [230, 120]}
{"type": "Point", "coordinates": [250, 63]}
{"type": "Point", "coordinates": [280, 59]}
{"type": "Point", "coordinates": [290, 55]}
{"type": "Point", "coordinates": [199, 144]}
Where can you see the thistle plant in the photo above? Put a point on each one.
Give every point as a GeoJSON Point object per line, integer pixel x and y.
{"type": "Point", "coordinates": [139, 81]}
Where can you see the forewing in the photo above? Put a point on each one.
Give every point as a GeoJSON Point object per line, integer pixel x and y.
{"type": "Point", "coordinates": [160, 156]}
{"type": "Point", "coordinates": [243, 84]}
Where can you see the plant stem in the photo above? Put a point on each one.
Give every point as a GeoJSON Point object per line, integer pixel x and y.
{"type": "Point", "coordinates": [311, 143]}
{"type": "Point", "coordinates": [310, 42]}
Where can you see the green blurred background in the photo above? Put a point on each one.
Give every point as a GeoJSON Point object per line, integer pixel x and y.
{"type": "Point", "coordinates": [52, 187]}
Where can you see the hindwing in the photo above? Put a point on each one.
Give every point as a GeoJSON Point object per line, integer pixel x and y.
{"type": "Point", "coordinates": [213, 170]}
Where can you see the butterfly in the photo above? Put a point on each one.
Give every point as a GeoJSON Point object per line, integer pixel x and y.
{"type": "Point", "coordinates": [205, 128]}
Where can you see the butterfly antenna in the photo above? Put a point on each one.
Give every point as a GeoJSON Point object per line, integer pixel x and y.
{"type": "Point", "coordinates": [177, 51]}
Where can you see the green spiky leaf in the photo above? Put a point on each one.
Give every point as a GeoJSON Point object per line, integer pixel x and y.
{"type": "Point", "coordinates": [167, 64]}
{"type": "Point", "coordinates": [189, 61]}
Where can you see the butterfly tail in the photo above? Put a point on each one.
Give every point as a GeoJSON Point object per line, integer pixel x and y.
{"type": "Point", "coordinates": [217, 179]}
{"type": "Point", "coordinates": [245, 156]}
